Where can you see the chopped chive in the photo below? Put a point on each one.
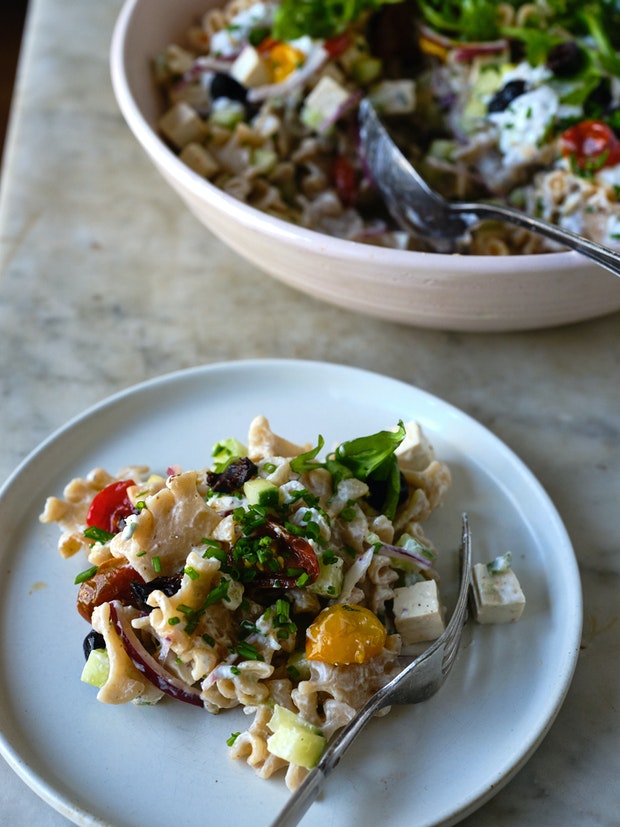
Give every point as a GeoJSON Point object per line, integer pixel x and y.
{"type": "Point", "coordinates": [156, 564]}
{"type": "Point", "coordinates": [173, 621]}
{"type": "Point", "coordinates": [302, 579]}
{"type": "Point", "coordinates": [191, 573]}
{"type": "Point", "coordinates": [85, 575]}
{"type": "Point", "coordinates": [98, 535]}
{"type": "Point", "coordinates": [230, 741]}
{"type": "Point", "coordinates": [208, 639]}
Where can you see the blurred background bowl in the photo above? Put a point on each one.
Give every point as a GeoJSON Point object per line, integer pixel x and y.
{"type": "Point", "coordinates": [461, 293]}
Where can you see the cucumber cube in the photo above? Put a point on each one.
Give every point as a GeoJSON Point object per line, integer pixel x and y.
{"type": "Point", "coordinates": [97, 668]}
{"type": "Point", "coordinates": [262, 492]}
{"type": "Point", "coordinates": [294, 739]}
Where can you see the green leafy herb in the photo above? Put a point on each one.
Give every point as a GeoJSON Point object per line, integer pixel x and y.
{"type": "Point", "coordinates": [319, 18]}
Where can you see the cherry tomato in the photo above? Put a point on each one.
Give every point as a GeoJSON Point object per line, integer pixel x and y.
{"type": "Point", "coordinates": [110, 506]}
{"type": "Point", "coordinates": [336, 45]}
{"type": "Point", "coordinates": [112, 581]}
{"type": "Point", "coordinates": [296, 553]}
{"type": "Point", "coordinates": [345, 180]}
{"type": "Point", "coordinates": [345, 634]}
{"type": "Point", "coordinates": [592, 144]}
{"type": "Point", "coordinates": [267, 44]}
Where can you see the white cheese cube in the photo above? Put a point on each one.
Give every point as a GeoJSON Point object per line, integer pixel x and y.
{"type": "Point", "coordinates": [415, 451]}
{"type": "Point", "coordinates": [199, 159]}
{"type": "Point", "coordinates": [497, 598]}
{"type": "Point", "coordinates": [181, 125]}
{"type": "Point", "coordinates": [324, 102]}
{"type": "Point", "coordinates": [394, 97]}
{"type": "Point", "coordinates": [417, 613]}
{"type": "Point", "coordinates": [250, 69]}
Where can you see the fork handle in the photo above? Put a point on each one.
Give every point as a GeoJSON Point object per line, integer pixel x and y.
{"type": "Point", "coordinates": [604, 256]}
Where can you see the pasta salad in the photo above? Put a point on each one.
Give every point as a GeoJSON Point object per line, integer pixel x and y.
{"type": "Point", "coordinates": [276, 580]}
{"type": "Point", "coordinates": [516, 101]}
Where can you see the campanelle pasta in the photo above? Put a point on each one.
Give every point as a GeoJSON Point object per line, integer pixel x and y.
{"type": "Point", "coordinates": [265, 581]}
{"type": "Point", "coordinates": [262, 101]}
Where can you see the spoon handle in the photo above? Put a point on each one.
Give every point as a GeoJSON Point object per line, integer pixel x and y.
{"type": "Point", "coordinates": [608, 258]}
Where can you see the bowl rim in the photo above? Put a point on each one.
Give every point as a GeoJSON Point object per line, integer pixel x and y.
{"type": "Point", "coordinates": [255, 219]}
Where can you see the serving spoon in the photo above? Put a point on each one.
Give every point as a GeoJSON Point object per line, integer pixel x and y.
{"type": "Point", "coordinates": [419, 209]}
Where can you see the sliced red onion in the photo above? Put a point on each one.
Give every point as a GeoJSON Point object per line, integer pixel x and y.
{"type": "Point", "coordinates": [355, 574]}
{"type": "Point", "coordinates": [465, 52]}
{"type": "Point", "coordinates": [146, 663]}
{"type": "Point", "coordinates": [315, 61]}
{"type": "Point", "coordinates": [400, 553]}
{"type": "Point", "coordinates": [461, 50]}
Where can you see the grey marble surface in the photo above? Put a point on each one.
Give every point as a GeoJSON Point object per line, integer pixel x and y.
{"type": "Point", "coordinates": [107, 280]}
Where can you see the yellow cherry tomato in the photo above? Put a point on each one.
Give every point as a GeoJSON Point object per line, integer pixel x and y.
{"type": "Point", "coordinates": [345, 634]}
{"type": "Point", "coordinates": [284, 59]}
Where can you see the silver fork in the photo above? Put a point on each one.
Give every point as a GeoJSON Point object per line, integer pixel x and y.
{"type": "Point", "coordinates": [417, 682]}
{"type": "Point", "coordinates": [443, 224]}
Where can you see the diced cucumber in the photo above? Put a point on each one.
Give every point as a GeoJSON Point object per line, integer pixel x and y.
{"type": "Point", "coordinates": [294, 739]}
{"type": "Point", "coordinates": [297, 666]}
{"type": "Point", "coordinates": [97, 668]}
{"type": "Point", "coordinates": [366, 69]}
{"type": "Point", "coordinates": [262, 492]}
{"type": "Point", "coordinates": [329, 581]}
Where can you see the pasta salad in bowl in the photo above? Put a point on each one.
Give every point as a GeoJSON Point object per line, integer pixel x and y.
{"type": "Point", "coordinates": [280, 580]}
{"type": "Point", "coordinates": [249, 110]}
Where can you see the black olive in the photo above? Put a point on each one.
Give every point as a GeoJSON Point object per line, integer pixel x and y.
{"type": "Point", "coordinates": [233, 476]}
{"type": "Point", "coordinates": [505, 96]}
{"type": "Point", "coordinates": [565, 59]}
{"type": "Point", "coordinates": [93, 640]}
{"type": "Point", "coordinates": [225, 86]}
{"type": "Point", "coordinates": [599, 100]}
{"type": "Point", "coordinates": [169, 585]}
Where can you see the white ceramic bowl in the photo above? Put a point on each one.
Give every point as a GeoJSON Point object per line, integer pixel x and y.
{"type": "Point", "coordinates": [465, 293]}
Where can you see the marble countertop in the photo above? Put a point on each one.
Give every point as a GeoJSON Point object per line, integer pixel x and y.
{"type": "Point", "coordinates": [107, 280]}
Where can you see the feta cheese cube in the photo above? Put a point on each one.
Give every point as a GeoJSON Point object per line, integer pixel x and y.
{"type": "Point", "coordinates": [497, 598]}
{"type": "Point", "coordinates": [324, 102]}
{"type": "Point", "coordinates": [394, 97]}
{"type": "Point", "coordinates": [417, 613]}
{"type": "Point", "coordinates": [181, 125]}
{"type": "Point", "coordinates": [250, 68]}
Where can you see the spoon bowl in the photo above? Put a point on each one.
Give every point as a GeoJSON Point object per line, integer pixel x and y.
{"type": "Point", "coordinates": [445, 225]}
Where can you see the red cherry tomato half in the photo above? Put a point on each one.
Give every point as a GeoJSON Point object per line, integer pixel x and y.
{"type": "Point", "coordinates": [592, 144]}
{"type": "Point", "coordinates": [336, 45]}
{"type": "Point", "coordinates": [345, 180]}
{"type": "Point", "coordinates": [111, 581]}
{"type": "Point", "coordinates": [110, 506]}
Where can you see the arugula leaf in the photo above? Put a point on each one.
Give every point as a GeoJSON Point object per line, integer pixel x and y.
{"type": "Point", "coordinates": [370, 459]}
{"type": "Point", "coordinates": [319, 18]}
{"type": "Point", "coordinates": [366, 454]}
{"type": "Point", "coordinates": [308, 461]}
{"type": "Point", "coordinates": [470, 20]}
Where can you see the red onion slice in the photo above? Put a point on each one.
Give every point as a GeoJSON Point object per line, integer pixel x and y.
{"type": "Point", "coordinates": [146, 663]}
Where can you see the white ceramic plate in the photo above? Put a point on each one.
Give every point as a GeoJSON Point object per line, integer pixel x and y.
{"type": "Point", "coordinates": [129, 766]}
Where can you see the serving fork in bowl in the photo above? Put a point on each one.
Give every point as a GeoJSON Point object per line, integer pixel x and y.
{"type": "Point", "coordinates": [444, 224]}
{"type": "Point", "coordinates": [417, 682]}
